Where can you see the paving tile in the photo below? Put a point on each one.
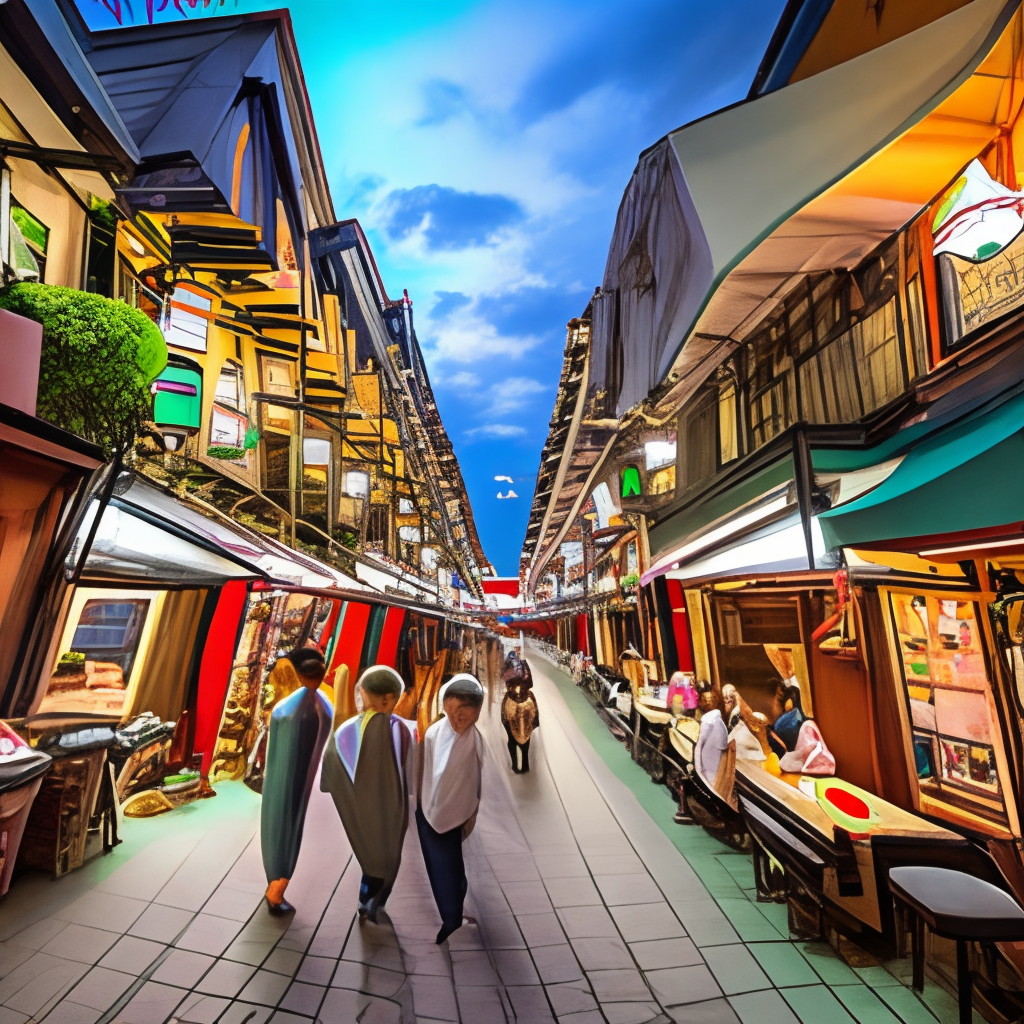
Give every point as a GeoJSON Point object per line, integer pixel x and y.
{"type": "Point", "coordinates": [875, 977]}
{"type": "Point", "coordinates": [41, 990]}
{"type": "Point", "coordinates": [906, 1005]}
{"type": "Point", "coordinates": [587, 922]}
{"type": "Point", "coordinates": [341, 1005]}
{"type": "Point", "coordinates": [625, 890]}
{"type": "Point", "coordinates": [570, 997]}
{"type": "Point", "coordinates": [152, 1004]}
{"type": "Point", "coordinates": [665, 953]}
{"type": "Point", "coordinates": [541, 929]}
{"type": "Point", "coordinates": [530, 1003]}
{"type": "Point", "coordinates": [585, 1017]}
{"type": "Point", "coordinates": [783, 963]}
{"type": "Point", "coordinates": [735, 969]}
{"type": "Point", "coordinates": [182, 968]}
{"type": "Point", "coordinates": [621, 986]}
{"type": "Point", "coordinates": [37, 935]}
{"type": "Point", "coordinates": [554, 866]}
{"type": "Point", "coordinates": [763, 1008]}
{"type": "Point", "coordinates": [118, 913]}
{"type": "Point", "coordinates": [161, 924]}
{"type": "Point", "coordinates": [705, 923]}
{"type": "Point", "coordinates": [132, 955]}
{"type": "Point", "coordinates": [246, 1013]}
{"type": "Point", "coordinates": [101, 988]}
{"type": "Point", "coordinates": [826, 964]}
{"type": "Point", "coordinates": [712, 1011]}
{"type": "Point", "coordinates": [13, 956]}
{"type": "Point", "coordinates": [480, 1004]}
{"type": "Point", "coordinates": [9, 1016]}
{"type": "Point", "coordinates": [815, 1004]}
{"type": "Point", "coordinates": [283, 961]}
{"type": "Point", "coordinates": [647, 921]}
{"type": "Point", "coordinates": [234, 904]}
{"type": "Point", "coordinates": [65, 1012]}
{"type": "Point", "coordinates": [557, 964]}
{"type": "Point", "coordinates": [602, 954]}
{"type": "Point", "coordinates": [432, 997]}
{"type": "Point", "coordinates": [208, 934]}
{"type": "Point", "coordinates": [683, 985]}
{"type": "Point", "coordinates": [303, 998]}
{"type": "Point", "coordinates": [201, 1009]}
{"type": "Point", "coordinates": [473, 968]}
{"type": "Point", "coordinates": [631, 1013]}
{"type": "Point", "coordinates": [225, 978]}
{"type": "Point", "coordinates": [375, 981]}
{"type": "Point", "coordinates": [265, 987]}
{"type": "Point", "coordinates": [80, 942]}
{"type": "Point", "coordinates": [749, 922]}
{"type": "Point", "coordinates": [582, 893]}
{"type": "Point", "coordinates": [316, 970]}
{"type": "Point", "coordinates": [615, 864]}
{"type": "Point", "coordinates": [515, 967]}
{"type": "Point", "coordinates": [865, 1006]}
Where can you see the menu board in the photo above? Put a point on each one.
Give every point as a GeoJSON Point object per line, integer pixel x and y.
{"type": "Point", "coordinates": [949, 694]}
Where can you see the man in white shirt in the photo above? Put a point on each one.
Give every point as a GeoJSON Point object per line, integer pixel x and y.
{"type": "Point", "coordinates": [450, 761]}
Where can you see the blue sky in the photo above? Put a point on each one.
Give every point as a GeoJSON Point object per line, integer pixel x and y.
{"type": "Point", "coordinates": [484, 147]}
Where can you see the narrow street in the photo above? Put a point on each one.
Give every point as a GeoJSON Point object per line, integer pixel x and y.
{"type": "Point", "coordinates": [587, 911]}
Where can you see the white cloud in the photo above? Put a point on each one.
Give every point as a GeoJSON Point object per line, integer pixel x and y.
{"type": "Point", "coordinates": [496, 430]}
{"type": "Point", "coordinates": [503, 479]}
{"type": "Point", "coordinates": [464, 337]}
{"type": "Point", "coordinates": [512, 393]}
{"type": "Point", "coordinates": [505, 497]}
{"type": "Point", "coordinates": [461, 379]}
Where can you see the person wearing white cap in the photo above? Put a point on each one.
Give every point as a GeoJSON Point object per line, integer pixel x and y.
{"type": "Point", "coordinates": [365, 770]}
{"type": "Point", "coordinates": [449, 766]}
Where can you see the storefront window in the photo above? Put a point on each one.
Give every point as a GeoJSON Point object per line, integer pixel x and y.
{"type": "Point", "coordinates": [29, 240]}
{"type": "Point", "coordinates": [187, 325]}
{"type": "Point", "coordinates": [949, 697]}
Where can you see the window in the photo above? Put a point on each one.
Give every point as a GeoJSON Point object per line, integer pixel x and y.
{"type": "Point", "coordinates": [949, 698]}
{"type": "Point", "coordinates": [230, 391]}
{"type": "Point", "coordinates": [405, 506]}
{"type": "Point", "coordinates": [187, 326]}
{"type": "Point", "coordinates": [356, 483]}
{"type": "Point", "coordinates": [29, 240]}
{"type": "Point", "coordinates": [728, 419]}
{"type": "Point", "coordinates": [109, 631]}
{"type": "Point", "coordinates": [316, 477]}
{"type": "Point", "coordinates": [227, 429]}
{"type": "Point", "coordinates": [697, 428]}
{"type": "Point", "coordinates": [277, 377]}
{"type": "Point", "coordinates": [659, 453]}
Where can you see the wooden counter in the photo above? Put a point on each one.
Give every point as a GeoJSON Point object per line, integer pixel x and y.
{"type": "Point", "coordinates": [893, 820]}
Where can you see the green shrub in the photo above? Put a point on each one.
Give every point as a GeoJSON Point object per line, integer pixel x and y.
{"type": "Point", "coordinates": [225, 451]}
{"type": "Point", "coordinates": [99, 358]}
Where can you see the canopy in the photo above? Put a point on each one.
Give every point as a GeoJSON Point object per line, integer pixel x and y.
{"type": "Point", "coordinates": [964, 477]}
{"type": "Point", "coordinates": [149, 533]}
{"type": "Point", "coordinates": [810, 177]}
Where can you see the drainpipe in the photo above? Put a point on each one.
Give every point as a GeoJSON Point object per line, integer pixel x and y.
{"type": "Point", "coordinates": [803, 479]}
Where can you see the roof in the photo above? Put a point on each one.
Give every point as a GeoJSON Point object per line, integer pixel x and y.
{"type": "Point", "coordinates": [187, 90]}
{"type": "Point", "coordinates": [703, 244]}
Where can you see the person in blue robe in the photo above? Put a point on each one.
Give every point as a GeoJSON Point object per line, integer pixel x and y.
{"type": "Point", "coordinates": [299, 726]}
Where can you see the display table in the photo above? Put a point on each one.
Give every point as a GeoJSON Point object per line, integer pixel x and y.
{"type": "Point", "coordinates": [844, 873]}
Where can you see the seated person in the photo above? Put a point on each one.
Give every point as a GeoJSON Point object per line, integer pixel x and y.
{"type": "Point", "coordinates": [683, 698]}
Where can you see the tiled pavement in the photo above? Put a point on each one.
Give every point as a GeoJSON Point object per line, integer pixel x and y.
{"type": "Point", "coordinates": [592, 907]}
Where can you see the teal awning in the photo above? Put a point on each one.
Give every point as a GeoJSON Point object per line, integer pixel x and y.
{"type": "Point", "coordinates": [965, 477]}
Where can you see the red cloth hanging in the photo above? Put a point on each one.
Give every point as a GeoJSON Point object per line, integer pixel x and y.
{"type": "Point", "coordinates": [215, 668]}
{"type": "Point", "coordinates": [680, 625]}
{"type": "Point", "coordinates": [387, 651]}
{"type": "Point", "coordinates": [350, 650]}
{"type": "Point", "coordinates": [582, 634]}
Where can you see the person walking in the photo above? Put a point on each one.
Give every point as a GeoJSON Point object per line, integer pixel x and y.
{"type": "Point", "coordinates": [449, 769]}
{"type": "Point", "coordinates": [519, 714]}
{"type": "Point", "coordinates": [366, 771]}
{"type": "Point", "coordinates": [298, 729]}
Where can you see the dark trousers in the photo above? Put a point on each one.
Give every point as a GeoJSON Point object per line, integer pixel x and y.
{"type": "Point", "coordinates": [517, 750]}
{"type": "Point", "coordinates": [373, 889]}
{"type": "Point", "coordinates": [442, 854]}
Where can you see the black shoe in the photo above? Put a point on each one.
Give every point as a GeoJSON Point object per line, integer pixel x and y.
{"type": "Point", "coordinates": [282, 909]}
{"type": "Point", "coordinates": [445, 931]}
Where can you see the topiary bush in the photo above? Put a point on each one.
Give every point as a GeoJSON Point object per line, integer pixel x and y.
{"type": "Point", "coordinates": [99, 358]}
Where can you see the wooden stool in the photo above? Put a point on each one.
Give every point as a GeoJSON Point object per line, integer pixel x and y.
{"type": "Point", "coordinates": [959, 907]}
